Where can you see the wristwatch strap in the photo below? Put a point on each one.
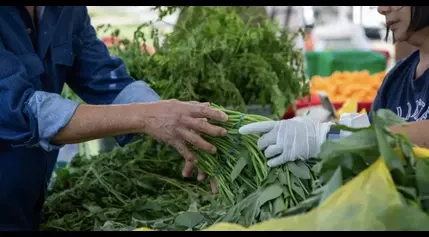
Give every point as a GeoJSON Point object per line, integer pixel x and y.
{"type": "Point", "coordinates": [333, 133]}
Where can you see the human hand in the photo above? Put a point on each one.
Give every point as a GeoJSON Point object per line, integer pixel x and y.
{"type": "Point", "coordinates": [178, 123]}
{"type": "Point", "coordinates": [288, 140]}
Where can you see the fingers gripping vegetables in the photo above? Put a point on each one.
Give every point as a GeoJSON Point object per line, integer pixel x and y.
{"type": "Point", "coordinates": [256, 192]}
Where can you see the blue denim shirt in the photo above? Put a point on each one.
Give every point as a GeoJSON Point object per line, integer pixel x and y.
{"type": "Point", "coordinates": [33, 71]}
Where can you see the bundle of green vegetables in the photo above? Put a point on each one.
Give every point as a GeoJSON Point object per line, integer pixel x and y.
{"type": "Point", "coordinates": [220, 59]}
{"type": "Point", "coordinates": [255, 192]}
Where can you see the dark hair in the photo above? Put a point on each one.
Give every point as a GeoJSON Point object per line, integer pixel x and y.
{"type": "Point", "coordinates": [419, 19]}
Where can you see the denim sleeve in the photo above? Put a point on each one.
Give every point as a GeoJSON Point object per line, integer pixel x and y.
{"type": "Point", "coordinates": [98, 77]}
{"type": "Point", "coordinates": [101, 78]}
{"type": "Point", "coordinates": [28, 117]}
{"type": "Point", "coordinates": [52, 113]}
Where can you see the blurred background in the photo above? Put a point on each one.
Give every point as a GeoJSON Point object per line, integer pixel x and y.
{"type": "Point", "coordinates": [344, 47]}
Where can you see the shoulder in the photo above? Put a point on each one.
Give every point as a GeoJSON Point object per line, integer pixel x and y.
{"type": "Point", "coordinates": [391, 84]}
{"type": "Point", "coordinates": [78, 17]}
{"type": "Point", "coordinates": [73, 14]}
{"type": "Point", "coordinates": [402, 69]}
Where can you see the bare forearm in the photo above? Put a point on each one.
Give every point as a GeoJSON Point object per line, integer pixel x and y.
{"type": "Point", "coordinates": [97, 121]}
{"type": "Point", "coordinates": [417, 132]}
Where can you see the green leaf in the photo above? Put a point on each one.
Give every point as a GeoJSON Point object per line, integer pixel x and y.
{"type": "Point", "coordinates": [150, 206]}
{"type": "Point", "coordinates": [239, 166]}
{"type": "Point", "coordinates": [392, 159]}
{"type": "Point", "coordinates": [286, 192]}
{"type": "Point", "coordinates": [296, 186]}
{"type": "Point", "coordinates": [422, 181]}
{"type": "Point", "coordinates": [408, 192]}
{"type": "Point", "coordinates": [361, 141]}
{"type": "Point", "coordinates": [62, 173]}
{"type": "Point", "coordinates": [282, 178]}
{"type": "Point", "coordinates": [299, 169]}
{"type": "Point", "coordinates": [333, 185]}
{"type": "Point", "coordinates": [272, 176]}
{"type": "Point", "coordinates": [406, 147]}
{"type": "Point", "coordinates": [354, 164]}
{"type": "Point", "coordinates": [92, 208]}
{"type": "Point", "coordinates": [269, 193]}
{"type": "Point", "coordinates": [278, 205]}
{"type": "Point", "coordinates": [193, 207]}
{"type": "Point", "coordinates": [189, 219]}
{"type": "Point", "coordinates": [389, 117]}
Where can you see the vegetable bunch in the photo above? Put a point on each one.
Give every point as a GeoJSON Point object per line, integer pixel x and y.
{"type": "Point", "coordinates": [255, 192]}
{"type": "Point", "coordinates": [234, 153]}
{"type": "Point", "coordinates": [221, 60]}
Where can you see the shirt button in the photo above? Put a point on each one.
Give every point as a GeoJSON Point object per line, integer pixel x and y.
{"type": "Point", "coordinates": [29, 30]}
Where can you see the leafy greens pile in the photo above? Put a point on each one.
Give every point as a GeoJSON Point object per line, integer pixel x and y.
{"type": "Point", "coordinates": [140, 186]}
{"type": "Point", "coordinates": [222, 60]}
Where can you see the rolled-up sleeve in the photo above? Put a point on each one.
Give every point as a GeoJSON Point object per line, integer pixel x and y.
{"type": "Point", "coordinates": [52, 113]}
{"type": "Point", "coordinates": [28, 117]}
{"type": "Point", "coordinates": [101, 78]}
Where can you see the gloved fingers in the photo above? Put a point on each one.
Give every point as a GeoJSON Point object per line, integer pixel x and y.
{"type": "Point", "coordinates": [273, 150]}
{"type": "Point", "coordinates": [258, 127]}
{"type": "Point", "coordinates": [277, 161]}
{"type": "Point", "coordinates": [267, 140]}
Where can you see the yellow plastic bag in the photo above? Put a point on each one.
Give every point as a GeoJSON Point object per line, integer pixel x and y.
{"type": "Point", "coordinates": [361, 204]}
{"type": "Point", "coordinates": [143, 229]}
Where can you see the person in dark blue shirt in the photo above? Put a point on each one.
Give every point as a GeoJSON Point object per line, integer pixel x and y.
{"type": "Point", "coordinates": [43, 47]}
{"type": "Point", "coordinates": [405, 91]}
{"type": "Point", "coordinates": [405, 88]}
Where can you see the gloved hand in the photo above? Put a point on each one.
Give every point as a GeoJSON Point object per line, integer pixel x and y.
{"type": "Point", "coordinates": [289, 140]}
{"type": "Point", "coordinates": [297, 138]}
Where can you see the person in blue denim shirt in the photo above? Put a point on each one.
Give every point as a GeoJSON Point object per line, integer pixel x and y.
{"type": "Point", "coordinates": [43, 47]}
{"type": "Point", "coordinates": [405, 91]}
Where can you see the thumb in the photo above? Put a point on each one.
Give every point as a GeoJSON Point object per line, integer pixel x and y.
{"type": "Point", "coordinates": [258, 127]}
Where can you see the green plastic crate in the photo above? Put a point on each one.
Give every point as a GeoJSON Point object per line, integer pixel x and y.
{"type": "Point", "coordinates": [326, 62]}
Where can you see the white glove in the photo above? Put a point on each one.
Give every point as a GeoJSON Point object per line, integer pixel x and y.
{"type": "Point", "coordinates": [289, 140]}
{"type": "Point", "coordinates": [353, 120]}
{"type": "Point", "coordinates": [297, 138]}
